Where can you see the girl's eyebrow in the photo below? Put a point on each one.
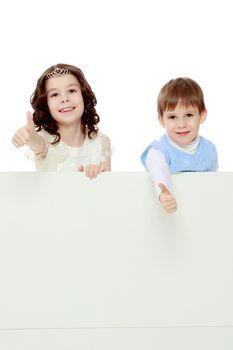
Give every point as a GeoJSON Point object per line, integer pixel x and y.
{"type": "Point", "coordinates": [56, 88]}
{"type": "Point", "coordinates": [50, 90]}
{"type": "Point", "coordinates": [73, 84]}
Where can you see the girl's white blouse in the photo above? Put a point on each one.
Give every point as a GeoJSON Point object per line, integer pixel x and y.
{"type": "Point", "coordinates": [61, 157]}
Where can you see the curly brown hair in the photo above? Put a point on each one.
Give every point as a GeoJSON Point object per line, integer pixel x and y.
{"type": "Point", "coordinates": [42, 117]}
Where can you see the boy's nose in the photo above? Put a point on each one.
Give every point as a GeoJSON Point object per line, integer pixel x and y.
{"type": "Point", "coordinates": [181, 123]}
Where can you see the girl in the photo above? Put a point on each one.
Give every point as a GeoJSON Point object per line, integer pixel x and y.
{"type": "Point", "coordinates": [62, 133]}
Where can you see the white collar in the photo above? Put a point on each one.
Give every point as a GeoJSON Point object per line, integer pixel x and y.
{"type": "Point", "coordinates": [189, 148]}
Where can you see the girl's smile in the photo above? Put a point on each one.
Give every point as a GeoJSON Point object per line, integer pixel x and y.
{"type": "Point", "coordinates": [67, 109]}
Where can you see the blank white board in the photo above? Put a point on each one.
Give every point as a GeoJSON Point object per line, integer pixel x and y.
{"type": "Point", "coordinates": [99, 264]}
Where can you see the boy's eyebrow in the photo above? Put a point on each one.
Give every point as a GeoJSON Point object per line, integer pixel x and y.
{"type": "Point", "coordinates": [72, 84]}
{"type": "Point", "coordinates": [185, 111]}
{"type": "Point", "coordinates": [169, 113]}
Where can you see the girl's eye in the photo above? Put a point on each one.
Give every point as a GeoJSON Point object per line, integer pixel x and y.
{"type": "Point", "coordinates": [54, 94]}
{"type": "Point", "coordinates": [171, 117]}
{"type": "Point", "coordinates": [72, 90]}
{"type": "Point", "coordinates": [189, 115]}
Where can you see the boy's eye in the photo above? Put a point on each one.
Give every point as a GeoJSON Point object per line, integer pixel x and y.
{"type": "Point", "coordinates": [171, 117]}
{"type": "Point", "coordinates": [189, 114]}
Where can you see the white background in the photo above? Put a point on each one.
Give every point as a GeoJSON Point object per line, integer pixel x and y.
{"type": "Point", "coordinates": [127, 50]}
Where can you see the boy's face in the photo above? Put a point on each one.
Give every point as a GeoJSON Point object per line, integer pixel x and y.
{"type": "Point", "coordinates": [182, 124]}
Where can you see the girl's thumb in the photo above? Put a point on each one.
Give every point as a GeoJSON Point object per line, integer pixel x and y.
{"type": "Point", "coordinates": [30, 124]}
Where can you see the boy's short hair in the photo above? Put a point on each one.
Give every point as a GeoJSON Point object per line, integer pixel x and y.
{"type": "Point", "coordinates": [185, 90]}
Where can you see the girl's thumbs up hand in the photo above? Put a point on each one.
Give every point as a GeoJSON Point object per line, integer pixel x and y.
{"type": "Point", "coordinates": [167, 200]}
{"type": "Point", "coordinates": [23, 135]}
{"type": "Point", "coordinates": [30, 124]}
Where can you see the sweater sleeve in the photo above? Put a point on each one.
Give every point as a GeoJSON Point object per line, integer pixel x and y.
{"type": "Point", "coordinates": [158, 169]}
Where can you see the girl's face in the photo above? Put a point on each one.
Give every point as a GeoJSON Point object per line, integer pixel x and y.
{"type": "Point", "coordinates": [182, 124]}
{"type": "Point", "coordinates": [65, 99]}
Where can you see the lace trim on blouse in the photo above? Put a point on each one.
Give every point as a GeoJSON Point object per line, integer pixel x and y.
{"type": "Point", "coordinates": [56, 156]}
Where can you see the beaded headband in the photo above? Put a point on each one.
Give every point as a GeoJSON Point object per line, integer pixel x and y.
{"type": "Point", "coordinates": [57, 72]}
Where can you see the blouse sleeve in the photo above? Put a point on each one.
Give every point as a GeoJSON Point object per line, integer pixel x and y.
{"type": "Point", "coordinates": [41, 155]}
{"type": "Point", "coordinates": [106, 148]}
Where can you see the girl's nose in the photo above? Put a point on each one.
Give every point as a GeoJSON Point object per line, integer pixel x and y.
{"type": "Point", "coordinates": [64, 99]}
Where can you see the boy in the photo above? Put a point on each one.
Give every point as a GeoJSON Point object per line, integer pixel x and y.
{"type": "Point", "coordinates": [181, 110]}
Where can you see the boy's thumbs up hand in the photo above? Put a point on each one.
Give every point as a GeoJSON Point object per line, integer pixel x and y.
{"type": "Point", "coordinates": [24, 134]}
{"type": "Point", "coordinates": [167, 199]}
{"type": "Point", "coordinates": [163, 188]}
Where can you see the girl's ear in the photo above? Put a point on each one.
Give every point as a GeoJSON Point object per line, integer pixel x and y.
{"type": "Point", "coordinates": [203, 115]}
{"type": "Point", "coordinates": [161, 120]}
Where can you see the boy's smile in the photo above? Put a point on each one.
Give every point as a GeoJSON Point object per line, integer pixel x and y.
{"type": "Point", "coordinates": [182, 124]}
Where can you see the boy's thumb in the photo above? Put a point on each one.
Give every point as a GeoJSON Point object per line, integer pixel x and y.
{"type": "Point", "coordinates": [163, 188]}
